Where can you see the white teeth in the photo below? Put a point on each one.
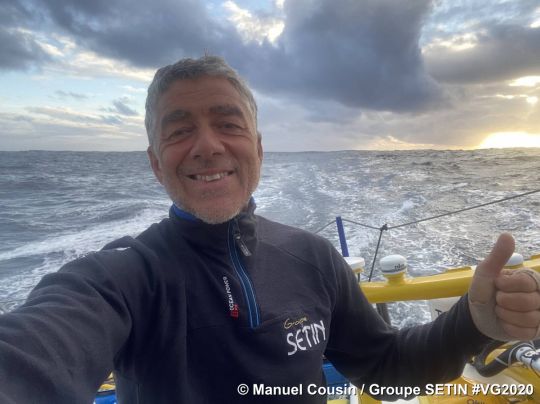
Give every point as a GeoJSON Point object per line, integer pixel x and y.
{"type": "Point", "coordinates": [209, 178]}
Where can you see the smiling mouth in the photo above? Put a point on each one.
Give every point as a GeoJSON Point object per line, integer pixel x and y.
{"type": "Point", "coordinates": [210, 178]}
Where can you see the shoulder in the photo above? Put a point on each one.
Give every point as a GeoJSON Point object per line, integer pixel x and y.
{"type": "Point", "coordinates": [122, 259]}
{"type": "Point", "coordinates": [282, 234]}
{"type": "Point", "coordinates": [306, 246]}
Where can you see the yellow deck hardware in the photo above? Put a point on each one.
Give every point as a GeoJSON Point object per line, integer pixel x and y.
{"type": "Point", "coordinates": [454, 283]}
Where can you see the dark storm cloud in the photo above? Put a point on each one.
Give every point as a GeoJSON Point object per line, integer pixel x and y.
{"type": "Point", "coordinates": [18, 48]}
{"type": "Point", "coordinates": [359, 53]}
{"type": "Point", "coordinates": [19, 51]}
{"type": "Point", "coordinates": [145, 34]}
{"type": "Point", "coordinates": [503, 52]}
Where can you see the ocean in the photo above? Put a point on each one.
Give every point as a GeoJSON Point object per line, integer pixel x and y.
{"type": "Point", "coordinates": [56, 206]}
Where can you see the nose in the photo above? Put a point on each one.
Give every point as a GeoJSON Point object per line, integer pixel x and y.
{"type": "Point", "coordinates": [207, 144]}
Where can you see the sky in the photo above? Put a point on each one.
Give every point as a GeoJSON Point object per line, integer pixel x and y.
{"type": "Point", "coordinates": [327, 74]}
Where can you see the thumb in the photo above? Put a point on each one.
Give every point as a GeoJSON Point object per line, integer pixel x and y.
{"type": "Point", "coordinates": [482, 288]}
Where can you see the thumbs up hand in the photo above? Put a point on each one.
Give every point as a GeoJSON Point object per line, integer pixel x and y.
{"type": "Point", "coordinates": [505, 304]}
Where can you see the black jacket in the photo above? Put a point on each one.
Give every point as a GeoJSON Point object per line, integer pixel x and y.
{"type": "Point", "coordinates": [187, 311]}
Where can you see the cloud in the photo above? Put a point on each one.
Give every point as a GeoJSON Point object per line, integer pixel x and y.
{"type": "Point", "coordinates": [333, 50]}
{"type": "Point", "coordinates": [340, 74]}
{"type": "Point", "coordinates": [151, 36]}
{"type": "Point", "coordinates": [86, 64]}
{"type": "Point", "coordinates": [121, 107]}
{"type": "Point", "coordinates": [254, 27]}
{"type": "Point", "coordinates": [343, 51]}
{"type": "Point", "coordinates": [50, 136]}
{"type": "Point", "coordinates": [65, 94]}
{"type": "Point", "coordinates": [51, 128]}
{"type": "Point", "coordinates": [501, 52]}
{"type": "Point", "coordinates": [64, 115]}
{"type": "Point", "coordinates": [19, 50]}
{"type": "Point", "coordinates": [68, 117]}
{"type": "Point", "coordinates": [111, 120]}
{"type": "Point", "coordinates": [132, 89]}
{"type": "Point", "coordinates": [476, 112]}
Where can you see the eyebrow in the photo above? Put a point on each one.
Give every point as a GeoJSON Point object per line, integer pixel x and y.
{"type": "Point", "coordinates": [227, 110]}
{"type": "Point", "coordinates": [181, 115]}
{"type": "Point", "coordinates": [174, 116]}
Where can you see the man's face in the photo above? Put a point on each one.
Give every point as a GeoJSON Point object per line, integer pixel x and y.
{"type": "Point", "coordinates": [207, 153]}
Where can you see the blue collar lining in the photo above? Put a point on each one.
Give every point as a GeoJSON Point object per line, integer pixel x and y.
{"type": "Point", "coordinates": [182, 214]}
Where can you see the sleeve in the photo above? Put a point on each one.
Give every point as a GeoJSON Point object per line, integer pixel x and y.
{"type": "Point", "coordinates": [367, 350]}
{"type": "Point", "coordinates": [61, 344]}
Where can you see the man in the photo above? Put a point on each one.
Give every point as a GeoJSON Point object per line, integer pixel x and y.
{"type": "Point", "coordinates": [215, 296]}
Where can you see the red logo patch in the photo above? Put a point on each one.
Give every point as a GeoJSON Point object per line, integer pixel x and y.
{"type": "Point", "coordinates": [234, 311]}
{"type": "Point", "coordinates": [233, 307]}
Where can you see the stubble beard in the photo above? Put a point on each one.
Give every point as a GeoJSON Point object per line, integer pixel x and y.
{"type": "Point", "coordinates": [214, 214]}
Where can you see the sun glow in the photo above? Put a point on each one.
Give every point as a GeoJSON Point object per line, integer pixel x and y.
{"type": "Point", "coordinates": [525, 81]}
{"type": "Point", "coordinates": [501, 140]}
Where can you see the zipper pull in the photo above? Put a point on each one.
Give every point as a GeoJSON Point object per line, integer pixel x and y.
{"type": "Point", "coordinates": [239, 242]}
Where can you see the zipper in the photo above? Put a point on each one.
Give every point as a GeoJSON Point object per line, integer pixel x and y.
{"type": "Point", "coordinates": [236, 243]}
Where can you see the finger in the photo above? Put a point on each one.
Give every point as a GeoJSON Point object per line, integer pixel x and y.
{"type": "Point", "coordinates": [482, 285]}
{"type": "Point", "coordinates": [521, 302]}
{"type": "Point", "coordinates": [519, 333]}
{"type": "Point", "coordinates": [529, 319]}
{"type": "Point", "coordinates": [511, 281]}
{"type": "Point", "coordinates": [498, 257]}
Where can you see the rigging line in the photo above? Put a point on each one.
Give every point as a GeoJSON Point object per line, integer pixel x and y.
{"type": "Point", "coordinates": [361, 224]}
{"type": "Point", "coordinates": [324, 227]}
{"type": "Point", "coordinates": [465, 209]}
{"type": "Point", "coordinates": [381, 230]}
{"type": "Point", "coordinates": [432, 217]}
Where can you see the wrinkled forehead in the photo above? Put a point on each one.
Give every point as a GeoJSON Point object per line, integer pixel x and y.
{"type": "Point", "coordinates": [224, 110]}
{"type": "Point", "coordinates": [213, 93]}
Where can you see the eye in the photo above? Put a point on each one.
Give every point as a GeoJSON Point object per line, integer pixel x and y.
{"type": "Point", "coordinates": [180, 132]}
{"type": "Point", "coordinates": [230, 127]}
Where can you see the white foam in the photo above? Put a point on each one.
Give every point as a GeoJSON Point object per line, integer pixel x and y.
{"type": "Point", "coordinates": [58, 250]}
{"type": "Point", "coordinates": [89, 239]}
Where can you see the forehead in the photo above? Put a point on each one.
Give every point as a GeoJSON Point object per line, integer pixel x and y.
{"type": "Point", "coordinates": [200, 94]}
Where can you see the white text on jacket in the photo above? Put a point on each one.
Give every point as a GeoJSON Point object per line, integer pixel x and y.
{"type": "Point", "coordinates": [306, 337]}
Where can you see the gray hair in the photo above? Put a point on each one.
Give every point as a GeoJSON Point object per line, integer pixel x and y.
{"type": "Point", "coordinates": [186, 69]}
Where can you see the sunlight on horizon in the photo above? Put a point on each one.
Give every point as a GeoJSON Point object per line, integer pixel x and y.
{"type": "Point", "coordinates": [501, 140]}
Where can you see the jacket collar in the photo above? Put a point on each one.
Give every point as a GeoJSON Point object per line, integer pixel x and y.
{"type": "Point", "coordinates": [214, 236]}
{"type": "Point", "coordinates": [182, 214]}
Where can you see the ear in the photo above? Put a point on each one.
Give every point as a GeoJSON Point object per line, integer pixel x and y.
{"type": "Point", "coordinates": [154, 163]}
{"type": "Point", "coordinates": [259, 146]}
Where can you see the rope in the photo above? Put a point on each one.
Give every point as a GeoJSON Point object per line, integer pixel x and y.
{"type": "Point", "coordinates": [385, 227]}
{"type": "Point", "coordinates": [382, 229]}
{"type": "Point", "coordinates": [361, 224]}
{"type": "Point", "coordinates": [465, 209]}
{"type": "Point", "coordinates": [324, 227]}
{"type": "Point", "coordinates": [441, 215]}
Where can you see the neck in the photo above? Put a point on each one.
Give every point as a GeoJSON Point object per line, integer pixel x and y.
{"type": "Point", "coordinates": [183, 214]}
